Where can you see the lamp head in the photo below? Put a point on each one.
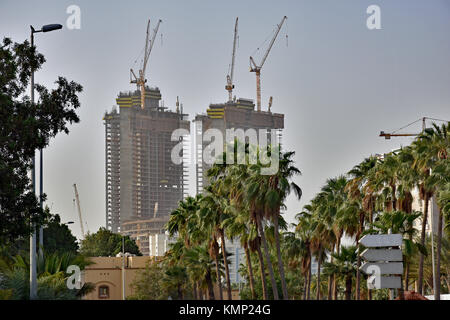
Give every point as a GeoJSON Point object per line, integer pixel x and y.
{"type": "Point", "coordinates": [51, 27]}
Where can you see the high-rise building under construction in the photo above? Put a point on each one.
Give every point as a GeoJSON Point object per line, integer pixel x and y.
{"type": "Point", "coordinates": [235, 114]}
{"type": "Point", "coordinates": [143, 184]}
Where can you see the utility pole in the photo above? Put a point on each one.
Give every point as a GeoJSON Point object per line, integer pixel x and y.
{"type": "Point", "coordinates": [33, 265]}
{"type": "Point", "coordinates": [33, 280]}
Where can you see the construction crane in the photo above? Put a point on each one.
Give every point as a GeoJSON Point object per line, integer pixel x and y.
{"type": "Point", "coordinates": [140, 81]}
{"type": "Point", "coordinates": [77, 198]}
{"type": "Point", "coordinates": [394, 133]}
{"type": "Point", "coordinates": [230, 86]}
{"type": "Point", "coordinates": [257, 68]}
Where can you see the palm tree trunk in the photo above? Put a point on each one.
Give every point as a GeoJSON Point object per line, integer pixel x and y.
{"type": "Point", "coordinates": [407, 263]}
{"type": "Point", "coordinates": [420, 288]}
{"type": "Point", "coordinates": [330, 280]}
{"type": "Point", "coordinates": [180, 292]}
{"type": "Point", "coordinates": [250, 272]}
{"type": "Point", "coordinates": [219, 282]}
{"type": "Point", "coordinates": [262, 272]}
{"type": "Point", "coordinates": [358, 272]}
{"type": "Point", "coordinates": [269, 261]}
{"type": "Point", "coordinates": [305, 285]}
{"type": "Point", "coordinates": [210, 285]}
{"type": "Point", "coordinates": [437, 280]}
{"type": "Point", "coordinates": [348, 287]}
{"type": "Point", "coordinates": [194, 290]}
{"type": "Point", "coordinates": [335, 288]}
{"type": "Point", "coordinates": [330, 287]}
{"type": "Point", "coordinates": [280, 261]}
{"type": "Point", "coordinates": [319, 260]}
{"type": "Point", "coordinates": [225, 262]}
{"type": "Point", "coordinates": [308, 287]}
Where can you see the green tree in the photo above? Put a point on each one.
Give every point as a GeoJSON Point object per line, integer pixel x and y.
{"type": "Point", "coordinates": [432, 147]}
{"type": "Point", "coordinates": [58, 237]}
{"type": "Point", "coordinates": [105, 243]}
{"type": "Point", "coordinates": [24, 128]}
{"type": "Point", "coordinates": [344, 266]}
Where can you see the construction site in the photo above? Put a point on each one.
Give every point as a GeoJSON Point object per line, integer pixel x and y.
{"type": "Point", "coordinates": [236, 113]}
{"type": "Point", "coordinates": [143, 185]}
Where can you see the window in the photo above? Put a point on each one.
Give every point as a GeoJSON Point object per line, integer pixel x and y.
{"type": "Point", "coordinates": [103, 292]}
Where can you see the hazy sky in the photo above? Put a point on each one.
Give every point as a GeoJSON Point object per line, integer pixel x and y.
{"type": "Point", "coordinates": [337, 82]}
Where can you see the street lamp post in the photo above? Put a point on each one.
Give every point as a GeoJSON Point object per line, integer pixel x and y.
{"type": "Point", "coordinates": [33, 280]}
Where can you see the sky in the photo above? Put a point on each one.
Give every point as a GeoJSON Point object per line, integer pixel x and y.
{"type": "Point", "coordinates": [337, 82]}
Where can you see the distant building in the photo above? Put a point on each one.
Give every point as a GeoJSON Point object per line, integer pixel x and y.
{"type": "Point", "coordinates": [141, 230]}
{"type": "Point", "coordinates": [143, 184]}
{"type": "Point", "coordinates": [159, 244]}
{"type": "Point", "coordinates": [238, 114]}
{"type": "Point", "coordinates": [237, 257]}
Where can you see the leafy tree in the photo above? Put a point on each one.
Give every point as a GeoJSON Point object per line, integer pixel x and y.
{"type": "Point", "coordinates": [24, 128]}
{"type": "Point", "coordinates": [58, 237]}
{"type": "Point", "coordinates": [148, 284]}
{"type": "Point", "coordinates": [105, 243]}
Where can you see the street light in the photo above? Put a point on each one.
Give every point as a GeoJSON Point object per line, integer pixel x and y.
{"type": "Point", "coordinates": [68, 222]}
{"type": "Point", "coordinates": [33, 281]}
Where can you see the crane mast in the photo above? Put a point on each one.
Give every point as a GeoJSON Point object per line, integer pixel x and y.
{"type": "Point", "coordinates": [230, 86]}
{"type": "Point", "coordinates": [257, 69]}
{"type": "Point", "coordinates": [140, 80]}
{"type": "Point", "coordinates": [77, 198]}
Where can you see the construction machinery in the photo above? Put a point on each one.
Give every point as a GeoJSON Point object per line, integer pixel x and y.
{"type": "Point", "coordinates": [257, 68]}
{"type": "Point", "coordinates": [230, 86]}
{"type": "Point", "coordinates": [140, 81]}
{"type": "Point", "coordinates": [77, 198]}
{"type": "Point", "coordinates": [394, 133]}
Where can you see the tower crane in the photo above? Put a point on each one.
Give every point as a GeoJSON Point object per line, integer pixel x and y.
{"type": "Point", "coordinates": [388, 136]}
{"type": "Point", "coordinates": [230, 86]}
{"type": "Point", "coordinates": [77, 198]}
{"type": "Point", "coordinates": [140, 81]}
{"type": "Point", "coordinates": [257, 68]}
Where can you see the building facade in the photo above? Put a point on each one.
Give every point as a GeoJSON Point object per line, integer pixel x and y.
{"type": "Point", "coordinates": [108, 274]}
{"type": "Point", "coordinates": [236, 114]}
{"type": "Point", "coordinates": [143, 184]}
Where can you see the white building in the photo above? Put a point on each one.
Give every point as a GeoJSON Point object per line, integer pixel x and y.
{"type": "Point", "coordinates": [159, 244]}
{"type": "Point", "coordinates": [234, 261]}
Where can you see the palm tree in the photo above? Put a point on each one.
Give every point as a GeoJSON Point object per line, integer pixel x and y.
{"type": "Point", "coordinates": [304, 230]}
{"type": "Point", "coordinates": [431, 146]}
{"type": "Point", "coordinates": [344, 265]}
{"type": "Point", "coordinates": [255, 197]}
{"type": "Point", "coordinates": [175, 277]}
{"type": "Point", "coordinates": [279, 189]}
{"type": "Point", "coordinates": [363, 199]}
{"type": "Point", "coordinates": [211, 217]}
{"type": "Point", "coordinates": [200, 264]}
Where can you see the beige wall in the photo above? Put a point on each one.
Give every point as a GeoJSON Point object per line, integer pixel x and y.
{"type": "Point", "coordinates": [107, 271]}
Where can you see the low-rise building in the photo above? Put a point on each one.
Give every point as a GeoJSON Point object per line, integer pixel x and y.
{"type": "Point", "coordinates": [108, 276]}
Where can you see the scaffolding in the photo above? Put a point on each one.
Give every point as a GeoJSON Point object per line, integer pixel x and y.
{"type": "Point", "coordinates": [239, 114]}
{"type": "Point", "coordinates": [140, 174]}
